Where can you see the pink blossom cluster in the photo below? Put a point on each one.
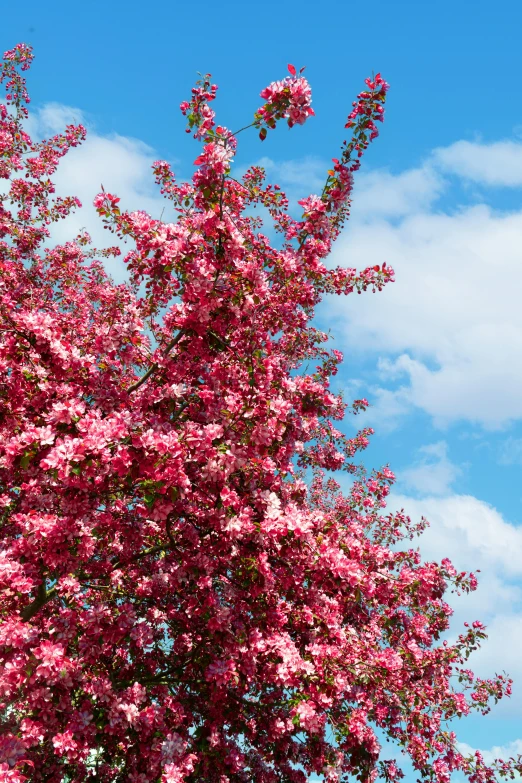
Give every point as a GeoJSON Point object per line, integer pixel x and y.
{"type": "Point", "coordinates": [369, 105]}
{"type": "Point", "coordinates": [198, 112]}
{"type": "Point", "coordinates": [289, 99]}
{"type": "Point", "coordinates": [324, 216]}
{"type": "Point", "coordinates": [185, 593]}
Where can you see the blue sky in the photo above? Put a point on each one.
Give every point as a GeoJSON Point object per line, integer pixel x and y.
{"type": "Point", "coordinates": [439, 198]}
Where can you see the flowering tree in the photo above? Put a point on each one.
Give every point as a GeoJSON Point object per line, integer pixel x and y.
{"type": "Point", "coordinates": [177, 603]}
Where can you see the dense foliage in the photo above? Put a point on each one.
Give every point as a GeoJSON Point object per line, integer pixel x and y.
{"type": "Point", "coordinates": [178, 603]}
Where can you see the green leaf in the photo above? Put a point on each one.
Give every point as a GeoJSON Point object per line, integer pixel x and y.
{"type": "Point", "coordinates": [26, 459]}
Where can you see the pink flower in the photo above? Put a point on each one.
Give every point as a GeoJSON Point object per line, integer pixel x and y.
{"type": "Point", "coordinates": [131, 712]}
{"type": "Point", "coordinates": [289, 98]}
{"type": "Point", "coordinates": [64, 743]}
{"type": "Point", "coordinates": [51, 655]}
{"type": "Point", "coordinates": [221, 671]}
{"type": "Point", "coordinates": [172, 747]}
{"type": "Point", "coordinates": [308, 717]}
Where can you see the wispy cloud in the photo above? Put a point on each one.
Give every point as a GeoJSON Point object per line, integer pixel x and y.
{"type": "Point", "coordinates": [497, 164]}
{"type": "Point", "coordinates": [432, 473]}
{"type": "Point", "coordinates": [510, 452]}
{"type": "Point", "coordinates": [452, 323]}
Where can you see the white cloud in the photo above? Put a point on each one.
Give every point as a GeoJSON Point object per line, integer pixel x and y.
{"type": "Point", "coordinates": [120, 163]}
{"type": "Point", "coordinates": [433, 473]}
{"type": "Point", "coordinates": [51, 118]}
{"type": "Point", "coordinates": [511, 750]}
{"type": "Point", "coordinates": [470, 530]}
{"type": "Point", "coordinates": [379, 193]}
{"type": "Point", "coordinates": [304, 176]}
{"type": "Point", "coordinates": [452, 321]}
{"type": "Point", "coordinates": [387, 408]}
{"type": "Point", "coordinates": [498, 163]}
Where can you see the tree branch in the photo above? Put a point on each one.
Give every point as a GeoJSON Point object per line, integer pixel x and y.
{"type": "Point", "coordinates": [155, 366]}
{"type": "Point", "coordinates": [42, 597]}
